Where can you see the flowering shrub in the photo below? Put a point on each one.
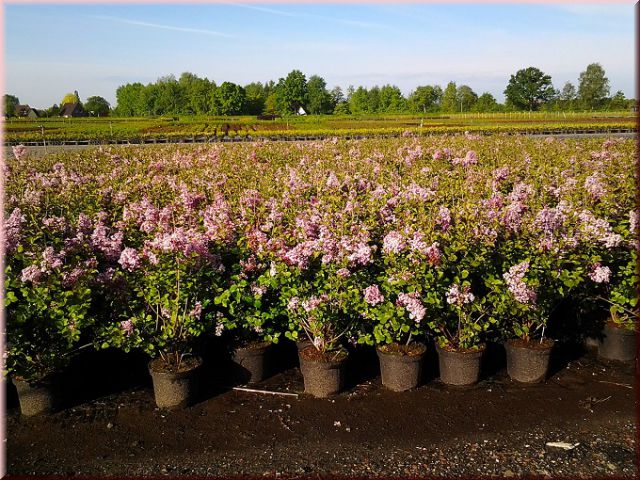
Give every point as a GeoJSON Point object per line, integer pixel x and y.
{"type": "Point", "coordinates": [253, 311]}
{"type": "Point", "coordinates": [50, 271]}
{"type": "Point", "coordinates": [462, 238]}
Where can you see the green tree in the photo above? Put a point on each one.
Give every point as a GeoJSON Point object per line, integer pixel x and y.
{"type": "Point", "coordinates": [425, 98]}
{"type": "Point", "coordinates": [528, 89]}
{"type": "Point", "coordinates": [271, 104]}
{"type": "Point", "coordinates": [52, 111]}
{"type": "Point", "coordinates": [391, 100]}
{"type": "Point", "coordinates": [486, 103]}
{"type": "Point", "coordinates": [450, 98]}
{"type": "Point", "coordinates": [318, 98]}
{"type": "Point", "coordinates": [373, 100]}
{"type": "Point", "coordinates": [10, 103]}
{"type": "Point", "coordinates": [337, 96]}
{"type": "Point", "coordinates": [291, 92]}
{"type": "Point", "coordinates": [255, 98]}
{"type": "Point", "coordinates": [618, 101]}
{"type": "Point", "coordinates": [342, 108]}
{"type": "Point", "coordinates": [568, 96]}
{"type": "Point", "coordinates": [97, 106]}
{"type": "Point", "coordinates": [350, 90]}
{"type": "Point", "coordinates": [229, 99]}
{"type": "Point", "coordinates": [466, 97]}
{"type": "Point", "coordinates": [359, 101]}
{"type": "Point", "coordinates": [593, 87]}
{"type": "Point", "coordinates": [130, 100]}
{"type": "Point", "coordinates": [194, 92]}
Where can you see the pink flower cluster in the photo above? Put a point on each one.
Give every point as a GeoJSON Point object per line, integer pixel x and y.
{"type": "Point", "coordinates": [516, 285]}
{"type": "Point", "coordinates": [459, 296]}
{"type": "Point", "coordinates": [372, 295]}
{"type": "Point", "coordinates": [393, 242]}
{"type": "Point", "coordinates": [127, 327]}
{"type": "Point", "coordinates": [411, 302]}
{"type": "Point", "coordinates": [594, 186]}
{"type": "Point", "coordinates": [12, 230]}
{"type": "Point", "coordinates": [600, 273]}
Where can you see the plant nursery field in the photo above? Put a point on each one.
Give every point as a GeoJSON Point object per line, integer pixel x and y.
{"type": "Point", "coordinates": [214, 259]}
{"type": "Point", "coordinates": [193, 128]}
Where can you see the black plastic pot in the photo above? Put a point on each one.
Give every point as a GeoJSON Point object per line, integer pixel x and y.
{"type": "Point", "coordinates": [617, 344]}
{"type": "Point", "coordinates": [460, 367]}
{"type": "Point", "coordinates": [251, 362]}
{"type": "Point", "coordinates": [174, 390]}
{"type": "Point", "coordinates": [400, 371]}
{"type": "Point", "coordinates": [528, 362]}
{"type": "Point", "coordinates": [322, 376]}
{"type": "Point", "coordinates": [39, 397]}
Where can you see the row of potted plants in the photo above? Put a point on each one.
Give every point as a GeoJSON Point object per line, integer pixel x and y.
{"type": "Point", "coordinates": [372, 242]}
{"type": "Point", "coordinates": [400, 369]}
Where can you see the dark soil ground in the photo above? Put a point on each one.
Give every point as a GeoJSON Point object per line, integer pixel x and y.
{"type": "Point", "coordinates": [110, 425]}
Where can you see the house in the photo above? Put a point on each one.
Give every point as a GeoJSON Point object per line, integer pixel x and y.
{"type": "Point", "coordinates": [72, 110]}
{"type": "Point", "coordinates": [301, 111]}
{"type": "Point", "coordinates": [25, 111]}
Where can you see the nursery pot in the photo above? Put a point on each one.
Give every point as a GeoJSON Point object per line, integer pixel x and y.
{"type": "Point", "coordinates": [617, 344]}
{"type": "Point", "coordinates": [37, 397]}
{"type": "Point", "coordinates": [528, 362]}
{"type": "Point", "coordinates": [323, 373]}
{"type": "Point", "coordinates": [251, 362]}
{"type": "Point", "coordinates": [301, 345]}
{"type": "Point", "coordinates": [175, 389]}
{"type": "Point", "coordinates": [401, 368]}
{"type": "Point", "coordinates": [460, 367]}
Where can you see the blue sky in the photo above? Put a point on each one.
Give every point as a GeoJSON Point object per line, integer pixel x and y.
{"type": "Point", "coordinates": [52, 50]}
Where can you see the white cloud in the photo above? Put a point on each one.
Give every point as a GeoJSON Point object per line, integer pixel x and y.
{"type": "Point", "coordinates": [341, 21]}
{"type": "Point", "coordinates": [163, 27]}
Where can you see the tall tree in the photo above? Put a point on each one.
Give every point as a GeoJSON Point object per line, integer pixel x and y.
{"type": "Point", "coordinates": [229, 99]}
{"type": "Point", "coordinates": [466, 97]}
{"type": "Point", "coordinates": [450, 98]}
{"type": "Point", "coordinates": [194, 94]}
{"type": "Point", "coordinates": [425, 98]}
{"type": "Point", "coordinates": [373, 99]}
{"type": "Point", "coordinates": [130, 100]}
{"type": "Point", "coordinates": [167, 98]}
{"type": "Point", "coordinates": [528, 89]}
{"type": "Point", "coordinates": [97, 106]}
{"type": "Point", "coordinates": [568, 96]}
{"type": "Point", "coordinates": [618, 101]}
{"type": "Point", "coordinates": [593, 87]}
{"type": "Point", "coordinates": [10, 103]}
{"type": "Point", "coordinates": [391, 100]}
{"type": "Point", "coordinates": [271, 104]}
{"type": "Point", "coordinates": [486, 103]}
{"type": "Point", "coordinates": [318, 98]}
{"type": "Point", "coordinates": [359, 101]}
{"type": "Point", "coordinates": [291, 92]}
{"type": "Point", "coordinates": [255, 98]}
{"type": "Point", "coordinates": [337, 96]}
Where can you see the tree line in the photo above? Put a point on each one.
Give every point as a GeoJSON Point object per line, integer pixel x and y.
{"type": "Point", "coordinates": [95, 106]}
{"type": "Point", "coordinates": [529, 89]}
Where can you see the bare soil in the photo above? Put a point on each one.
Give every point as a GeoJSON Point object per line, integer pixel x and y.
{"type": "Point", "coordinates": [534, 344]}
{"type": "Point", "coordinates": [413, 349]}
{"type": "Point", "coordinates": [110, 425]}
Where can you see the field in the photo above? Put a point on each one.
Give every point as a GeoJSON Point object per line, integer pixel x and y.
{"type": "Point", "coordinates": [117, 255]}
{"type": "Point", "coordinates": [100, 130]}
